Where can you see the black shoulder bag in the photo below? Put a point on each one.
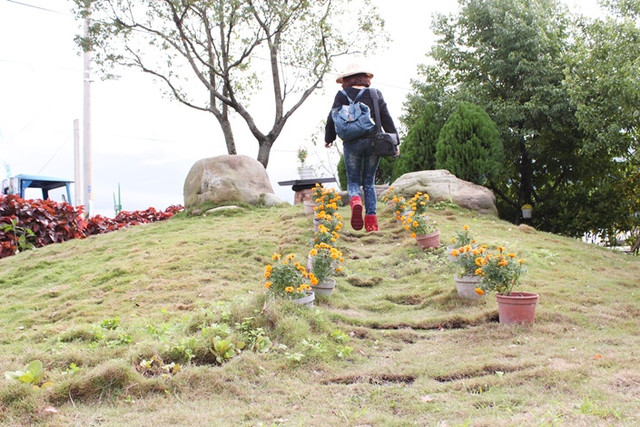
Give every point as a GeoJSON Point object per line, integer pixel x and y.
{"type": "Point", "coordinates": [383, 144]}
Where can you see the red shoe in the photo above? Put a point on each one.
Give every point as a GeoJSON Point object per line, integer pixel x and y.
{"type": "Point", "coordinates": [356, 213]}
{"type": "Point", "coordinates": [371, 222]}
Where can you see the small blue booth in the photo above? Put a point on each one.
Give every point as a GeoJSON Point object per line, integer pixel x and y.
{"type": "Point", "coordinates": [19, 183]}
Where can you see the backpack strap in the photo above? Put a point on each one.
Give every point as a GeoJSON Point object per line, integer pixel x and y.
{"type": "Point", "coordinates": [345, 94]}
{"type": "Point", "coordinates": [376, 108]}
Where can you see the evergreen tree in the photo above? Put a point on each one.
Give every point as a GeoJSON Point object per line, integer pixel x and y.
{"type": "Point", "coordinates": [469, 145]}
{"type": "Point", "coordinates": [418, 150]}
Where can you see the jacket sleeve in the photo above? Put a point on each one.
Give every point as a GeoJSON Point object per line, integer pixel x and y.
{"type": "Point", "coordinates": [330, 128]}
{"type": "Point", "coordinates": [387, 122]}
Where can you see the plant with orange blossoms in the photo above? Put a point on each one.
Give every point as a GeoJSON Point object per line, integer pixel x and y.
{"type": "Point", "coordinates": [286, 278]}
{"type": "Point", "coordinates": [499, 270]}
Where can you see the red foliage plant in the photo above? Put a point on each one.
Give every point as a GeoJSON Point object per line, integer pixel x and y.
{"type": "Point", "coordinates": [53, 222]}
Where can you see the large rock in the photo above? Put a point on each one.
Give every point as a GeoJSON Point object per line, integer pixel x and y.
{"type": "Point", "coordinates": [442, 185]}
{"type": "Point", "coordinates": [228, 179]}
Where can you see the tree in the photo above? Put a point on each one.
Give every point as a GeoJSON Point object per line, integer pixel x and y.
{"type": "Point", "coordinates": [209, 53]}
{"type": "Point", "coordinates": [469, 145]}
{"type": "Point", "coordinates": [418, 150]}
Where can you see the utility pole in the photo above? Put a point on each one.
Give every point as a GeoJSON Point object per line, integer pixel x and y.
{"type": "Point", "coordinates": [77, 171]}
{"type": "Point", "coordinates": [86, 133]}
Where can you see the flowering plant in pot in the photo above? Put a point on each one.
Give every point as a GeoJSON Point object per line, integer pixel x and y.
{"type": "Point", "coordinates": [326, 208]}
{"type": "Point", "coordinates": [324, 262]}
{"type": "Point", "coordinates": [500, 272]}
{"type": "Point", "coordinates": [467, 259]}
{"type": "Point", "coordinates": [395, 201]}
{"type": "Point", "coordinates": [286, 278]}
{"type": "Point", "coordinates": [426, 235]}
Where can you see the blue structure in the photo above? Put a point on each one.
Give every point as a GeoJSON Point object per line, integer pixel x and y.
{"type": "Point", "coordinates": [19, 183]}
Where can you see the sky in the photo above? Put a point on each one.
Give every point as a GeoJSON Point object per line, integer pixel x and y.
{"type": "Point", "coordinates": [146, 143]}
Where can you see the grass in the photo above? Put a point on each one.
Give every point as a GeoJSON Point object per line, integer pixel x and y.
{"type": "Point", "coordinates": [124, 324]}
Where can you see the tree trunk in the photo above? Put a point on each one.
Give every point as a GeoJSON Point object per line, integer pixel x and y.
{"type": "Point", "coordinates": [264, 150]}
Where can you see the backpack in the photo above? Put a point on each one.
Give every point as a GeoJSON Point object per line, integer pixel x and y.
{"type": "Point", "coordinates": [354, 120]}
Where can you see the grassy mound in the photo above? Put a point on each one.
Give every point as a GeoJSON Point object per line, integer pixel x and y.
{"type": "Point", "coordinates": [167, 324]}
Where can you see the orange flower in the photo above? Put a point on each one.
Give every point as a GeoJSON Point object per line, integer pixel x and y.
{"type": "Point", "coordinates": [479, 291]}
{"type": "Point", "coordinates": [289, 289]}
{"type": "Point", "coordinates": [268, 285]}
{"type": "Point", "coordinates": [465, 227]}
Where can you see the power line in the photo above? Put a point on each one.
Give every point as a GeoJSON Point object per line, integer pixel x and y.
{"type": "Point", "coordinates": [37, 7]}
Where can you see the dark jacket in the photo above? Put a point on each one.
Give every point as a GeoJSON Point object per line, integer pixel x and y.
{"type": "Point", "coordinates": [340, 99]}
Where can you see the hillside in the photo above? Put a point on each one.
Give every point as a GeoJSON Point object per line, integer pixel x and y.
{"type": "Point", "coordinates": [124, 324]}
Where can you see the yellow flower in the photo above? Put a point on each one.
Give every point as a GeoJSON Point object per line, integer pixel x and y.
{"type": "Point", "coordinates": [313, 252]}
{"type": "Point", "coordinates": [465, 227]}
{"type": "Point", "coordinates": [511, 255]}
{"type": "Point", "coordinates": [268, 285]}
{"type": "Point", "coordinates": [453, 240]}
{"type": "Point", "coordinates": [479, 291]}
{"type": "Point", "coordinates": [289, 289]}
{"type": "Point", "coordinates": [479, 271]}
{"type": "Point", "coordinates": [500, 248]}
{"type": "Point", "coordinates": [455, 252]}
{"type": "Point", "coordinates": [413, 235]}
{"type": "Point", "coordinates": [313, 279]}
{"type": "Point", "coordinates": [521, 261]}
{"type": "Point", "coordinates": [267, 271]}
{"type": "Point", "coordinates": [503, 262]}
{"type": "Point", "coordinates": [276, 256]}
{"type": "Point", "coordinates": [479, 261]}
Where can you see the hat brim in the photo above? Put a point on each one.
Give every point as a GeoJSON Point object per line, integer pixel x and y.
{"type": "Point", "coordinates": [352, 73]}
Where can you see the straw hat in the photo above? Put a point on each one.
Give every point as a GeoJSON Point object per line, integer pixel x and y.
{"type": "Point", "coordinates": [351, 70]}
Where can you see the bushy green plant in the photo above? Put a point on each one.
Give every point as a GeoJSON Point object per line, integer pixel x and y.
{"type": "Point", "coordinates": [462, 237]}
{"type": "Point", "coordinates": [225, 349]}
{"type": "Point", "coordinates": [287, 278]}
{"type": "Point", "coordinates": [500, 271]}
{"type": "Point", "coordinates": [468, 259]}
{"type": "Point", "coordinates": [325, 261]}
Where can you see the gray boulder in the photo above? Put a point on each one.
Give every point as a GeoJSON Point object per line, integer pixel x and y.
{"type": "Point", "coordinates": [228, 178]}
{"type": "Point", "coordinates": [442, 185]}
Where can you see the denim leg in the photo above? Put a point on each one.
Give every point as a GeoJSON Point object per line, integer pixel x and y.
{"type": "Point", "coordinates": [370, 165]}
{"type": "Point", "coordinates": [353, 164]}
{"type": "Point", "coordinates": [361, 165]}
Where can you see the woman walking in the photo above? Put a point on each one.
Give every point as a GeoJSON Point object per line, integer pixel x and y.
{"type": "Point", "coordinates": [360, 160]}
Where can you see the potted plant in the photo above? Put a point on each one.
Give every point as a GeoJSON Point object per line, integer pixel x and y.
{"type": "Point", "coordinates": [288, 279]}
{"type": "Point", "coordinates": [324, 261]}
{"type": "Point", "coordinates": [500, 272]}
{"type": "Point", "coordinates": [467, 258]}
{"type": "Point", "coordinates": [426, 235]}
{"type": "Point", "coordinates": [326, 208]}
{"type": "Point", "coordinates": [460, 239]}
{"type": "Point", "coordinates": [305, 172]}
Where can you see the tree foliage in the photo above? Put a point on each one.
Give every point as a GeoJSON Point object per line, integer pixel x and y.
{"type": "Point", "coordinates": [469, 145]}
{"type": "Point", "coordinates": [510, 58]}
{"type": "Point", "coordinates": [418, 150]}
{"type": "Point", "coordinates": [213, 55]}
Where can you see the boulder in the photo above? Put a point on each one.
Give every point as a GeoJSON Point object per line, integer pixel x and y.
{"type": "Point", "coordinates": [442, 185]}
{"type": "Point", "coordinates": [228, 178]}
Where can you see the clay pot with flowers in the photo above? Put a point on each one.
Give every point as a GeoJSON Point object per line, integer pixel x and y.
{"type": "Point", "coordinates": [500, 272]}
{"type": "Point", "coordinates": [467, 259]}
{"type": "Point", "coordinates": [324, 262]}
{"type": "Point", "coordinates": [288, 279]}
{"type": "Point", "coordinates": [416, 221]}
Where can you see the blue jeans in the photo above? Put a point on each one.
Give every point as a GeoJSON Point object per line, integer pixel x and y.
{"type": "Point", "coordinates": [361, 165]}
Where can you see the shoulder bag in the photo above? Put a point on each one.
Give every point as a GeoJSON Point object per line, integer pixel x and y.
{"type": "Point", "coordinates": [384, 144]}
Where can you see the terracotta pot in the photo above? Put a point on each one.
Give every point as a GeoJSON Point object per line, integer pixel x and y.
{"type": "Point", "coordinates": [517, 307]}
{"type": "Point", "coordinates": [325, 287]}
{"type": "Point", "coordinates": [466, 286]}
{"type": "Point", "coordinates": [307, 300]}
{"type": "Point", "coordinates": [431, 240]}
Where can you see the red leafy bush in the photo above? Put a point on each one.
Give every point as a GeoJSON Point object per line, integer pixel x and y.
{"type": "Point", "coordinates": [53, 222]}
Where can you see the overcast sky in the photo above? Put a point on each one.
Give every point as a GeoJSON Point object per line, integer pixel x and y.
{"type": "Point", "coordinates": [142, 141]}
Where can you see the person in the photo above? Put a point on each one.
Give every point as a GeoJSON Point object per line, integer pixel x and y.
{"type": "Point", "coordinates": [360, 161]}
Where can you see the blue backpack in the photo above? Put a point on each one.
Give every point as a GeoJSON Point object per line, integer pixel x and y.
{"type": "Point", "coordinates": [354, 120]}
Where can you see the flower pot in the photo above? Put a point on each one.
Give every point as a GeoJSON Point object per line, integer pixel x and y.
{"type": "Point", "coordinates": [316, 223]}
{"type": "Point", "coordinates": [431, 240]}
{"type": "Point", "coordinates": [307, 300]}
{"type": "Point", "coordinates": [466, 286]}
{"type": "Point", "coordinates": [517, 307]}
{"type": "Point", "coordinates": [325, 287]}
{"type": "Point", "coordinates": [308, 207]}
{"type": "Point", "coordinates": [305, 172]}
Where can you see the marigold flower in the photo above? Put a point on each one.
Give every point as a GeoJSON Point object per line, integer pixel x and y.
{"type": "Point", "coordinates": [453, 240]}
{"type": "Point", "coordinates": [503, 262]}
{"type": "Point", "coordinates": [521, 261]}
{"type": "Point", "coordinates": [511, 255]}
{"type": "Point", "coordinates": [289, 257]}
{"type": "Point", "coordinates": [465, 227]}
{"type": "Point", "coordinates": [479, 291]}
{"type": "Point", "coordinates": [267, 270]}
{"type": "Point", "coordinates": [479, 261]}
{"type": "Point", "coordinates": [313, 252]}
{"type": "Point", "coordinates": [479, 271]}
{"type": "Point", "coordinates": [455, 252]}
{"type": "Point", "coordinates": [276, 256]}
{"type": "Point", "coordinates": [289, 289]}
{"type": "Point", "coordinates": [313, 279]}
{"type": "Point", "coordinates": [500, 248]}
{"type": "Point", "coordinates": [268, 285]}
{"type": "Point", "coordinates": [413, 235]}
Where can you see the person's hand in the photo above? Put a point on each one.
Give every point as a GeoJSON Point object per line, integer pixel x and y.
{"type": "Point", "coordinates": [328, 144]}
